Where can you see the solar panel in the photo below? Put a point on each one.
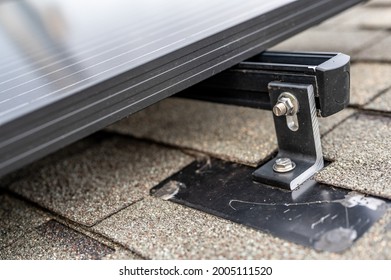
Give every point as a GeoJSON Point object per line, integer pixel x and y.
{"type": "Point", "coordinates": [70, 68]}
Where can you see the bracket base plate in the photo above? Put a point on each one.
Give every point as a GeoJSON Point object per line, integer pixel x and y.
{"type": "Point", "coordinates": [314, 215]}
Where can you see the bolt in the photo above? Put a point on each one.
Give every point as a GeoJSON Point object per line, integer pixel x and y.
{"type": "Point", "coordinates": [279, 109]}
{"type": "Point", "coordinates": [282, 165]}
{"type": "Point", "coordinates": [286, 105]}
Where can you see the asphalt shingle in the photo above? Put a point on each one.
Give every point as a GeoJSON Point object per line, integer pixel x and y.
{"type": "Point", "coordinates": [100, 181]}
{"type": "Point", "coordinates": [329, 123]}
{"type": "Point", "coordinates": [367, 81]}
{"type": "Point", "coordinates": [16, 219]}
{"type": "Point", "coordinates": [343, 21]}
{"type": "Point", "coordinates": [71, 150]}
{"type": "Point", "coordinates": [159, 229]}
{"type": "Point", "coordinates": [318, 40]}
{"type": "Point", "coordinates": [360, 18]}
{"type": "Point", "coordinates": [232, 133]}
{"type": "Point", "coordinates": [379, 50]}
{"type": "Point", "coordinates": [121, 254]}
{"type": "Point", "coordinates": [53, 240]}
{"type": "Point", "coordinates": [238, 134]}
{"type": "Point", "coordinates": [360, 149]}
{"type": "Point", "coordinates": [375, 19]}
{"type": "Point", "coordinates": [381, 103]}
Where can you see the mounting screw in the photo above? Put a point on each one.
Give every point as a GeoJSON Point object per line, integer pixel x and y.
{"type": "Point", "coordinates": [283, 165]}
{"type": "Point", "coordinates": [287, 105]}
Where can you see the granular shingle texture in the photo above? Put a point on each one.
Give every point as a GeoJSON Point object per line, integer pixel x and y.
{"type": "Point", "coordinates": [158, 229]}
{"type": "Point", "coordinates": [379, 51]}
{"type": "Point", "coordinates": [121, 254]}
{"type": "Point", "coordinates": [101, 180]}
{"type": "Point", "coordinates": [73, 149]}
{"type": "Point", "coordinates": [53, 240]}
{"type": "Point", "coordinates": [239, 134]}
{"type": "Point", "coordinates": [381, 103]}
{"type": "Point", "coordinates": [233, 133]}
{"type": "Point", "coordinates": [360, 18]}
{"type": "Point", "coordinates": [329, 123]}
{"type": "Point", "coordinates": [344, 21]}
{"type": "Point", "coordinates": [345, 41]}
{"type": "Point", "coordinates": [367, 81]}
{"type": "Point", "coordinates": [16, 219]}
{"type": "Point", "coordinates": [360, 148]}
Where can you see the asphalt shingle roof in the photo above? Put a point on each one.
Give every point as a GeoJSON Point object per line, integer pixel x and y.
{"type": "Point", "coordinates": [91, 200]}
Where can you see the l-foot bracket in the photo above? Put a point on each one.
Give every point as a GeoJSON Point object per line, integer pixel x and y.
{"type": "Point", "coordinates": [296, 87]}
{"type": "Point", "coordinates": [297, 130]}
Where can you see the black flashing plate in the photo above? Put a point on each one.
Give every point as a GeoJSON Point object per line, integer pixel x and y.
{"type": "Point", "coordinates": [314, 215]}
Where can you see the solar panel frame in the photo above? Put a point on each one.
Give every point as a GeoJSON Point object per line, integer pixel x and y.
{"type": "Point", "coordinates": [34, 127]}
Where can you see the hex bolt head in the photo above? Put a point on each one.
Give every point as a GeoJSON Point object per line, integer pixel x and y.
{"type": "Point", "coordinates": [283, 165]}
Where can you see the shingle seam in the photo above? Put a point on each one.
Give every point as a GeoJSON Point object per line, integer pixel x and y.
{"type": "Point", "coordinates": [93, 234]}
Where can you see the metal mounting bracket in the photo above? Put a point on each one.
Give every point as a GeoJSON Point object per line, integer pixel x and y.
{"type": "Point", "coordinates": [296, 87]}
{"type": "Point", "coordinates": [299, 147]}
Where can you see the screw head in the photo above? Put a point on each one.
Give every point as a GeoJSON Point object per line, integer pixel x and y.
{"type": "Point", "coordinates": [283, 165]}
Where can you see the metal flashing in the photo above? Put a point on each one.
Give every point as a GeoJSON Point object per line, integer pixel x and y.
{"type": "Point", "coordinates": [313, 215]}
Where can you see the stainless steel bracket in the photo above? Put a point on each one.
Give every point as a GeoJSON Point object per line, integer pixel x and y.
{"type": "Point", "coordinates": [299, 148]}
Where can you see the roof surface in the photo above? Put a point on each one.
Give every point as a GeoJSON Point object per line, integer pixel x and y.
{"type": "Point", "coordinates": [91, 200]}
